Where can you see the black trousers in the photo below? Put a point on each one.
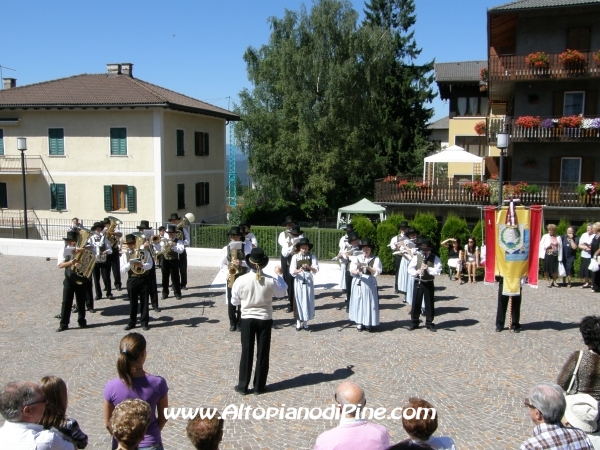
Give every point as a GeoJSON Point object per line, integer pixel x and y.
{"type": "Point", "coordinates": [102, 270]}
{"type": "Point", "coordinates": [397, 261]}
{"type": "Point", "coordinates": [183, 268]}
{"type": "Point", "coordinates": [348, 284]}
{"type": "Point", "coordinates": [259, 331]}
{"type": "Point", "coordinates": [114, 259]}
{"type": "Point", "coordinates": [89, 296]}
{"type": "Point", "coordinates": [153, 287]}
{"type": "Point", "coordinates": [289, 280]}
{"type": "Point", "coordinates": [73, 290]}
{"type": "Point", "coordinates": [423, 291]}
{"type": "Point", "coordinates": [503, 306]}
{"type": "Point", "coordinates": [137, 289]}
{"type": "Point", "coordinates": [170, 270]}
{"type": "Point", "coordinates": [233, 311]}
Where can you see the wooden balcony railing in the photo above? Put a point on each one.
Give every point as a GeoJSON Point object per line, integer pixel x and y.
{"type": "Point", "coordinates": [514, 68]}
{"type": "Point", "coordinates": [549, 130]}
{"type": "Point", "coordinates": [551, 194]}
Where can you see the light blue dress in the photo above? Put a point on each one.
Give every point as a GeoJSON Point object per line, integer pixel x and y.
{"type": "Point", "coordinates": [304, 288]}
{"type": "Point", "coordinates": [364, 301]}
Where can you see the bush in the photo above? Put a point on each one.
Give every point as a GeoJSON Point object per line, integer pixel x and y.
{"type": "Point", "coordinates": [385, 232]}
{"type": "Point", "coordinates": [364, 228]}
{"type": "Point", "coordinates": [395, 220]}
{"type": "Point", "coordinates": [478, 233]}
{"type": "Point", "coordinates": [455, 227]}
{"type": "Point", "coordinates": [561, 228]}
{"type": "Point", "coordinates": [427, 226]}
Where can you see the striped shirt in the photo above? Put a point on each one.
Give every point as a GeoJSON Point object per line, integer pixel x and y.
{"type": "Point", "coordinates": [556, 436]}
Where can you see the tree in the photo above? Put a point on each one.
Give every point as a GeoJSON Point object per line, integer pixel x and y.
{"type": "Point", "coordinates": [312, 125]}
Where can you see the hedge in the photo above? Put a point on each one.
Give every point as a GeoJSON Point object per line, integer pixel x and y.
{"type": "Point", "coordinates": [455, 227]}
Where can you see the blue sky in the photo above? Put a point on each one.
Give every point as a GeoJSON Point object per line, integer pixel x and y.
{"type": "Point", "coordinates": [194, 46]}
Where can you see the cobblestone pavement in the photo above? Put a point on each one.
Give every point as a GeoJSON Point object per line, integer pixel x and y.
{"type": "Point", "coordinates": [475, 377]}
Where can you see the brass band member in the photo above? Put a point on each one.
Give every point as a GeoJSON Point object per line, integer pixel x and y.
{"type": "Point", "coordinates": [354, 244]}
{"type": "Point", "coordinates": [344, 246]}
{"type": "Point", "coordinates": [114, 258]}
{"type": "Point", "coordinates": [302, 267]}
{"type": "Point", "coordinates": [233, 265]}
{"type": "Point", "coordinates": [145, 228]}
{"type": "Point", "coordinates": [137, 262]}
{"type": "Point", "coordinates": [423, 267]}
{"type": "Point", "coordinates": [287, 240]}
{"type": "Point", "coordinates": [171, 250]}
{"type": "Point", "coordinates": [395, 245]}
{"type": "Point", "coordinates": [248, 235]}
{"type": "Point", "coordinates": [365, 300]}
{"type": "Point", "coordinates": [175, 219]}
{"type": "Point", "coordinates": [101, 269]}
{"type": "Point", "coordinates": [73, 284]}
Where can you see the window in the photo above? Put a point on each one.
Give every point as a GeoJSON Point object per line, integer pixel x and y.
{"type": "Point", "coordinates": [58, 196]}
{"type": "Point", "coordinates": [471, 106]}
{"type": "Point", "coordinates": [118, 141]}
{"type": "Point", "coordinates": [472, 144]}
{"type": "Point", "coordinates": [574, 103]}
{"type": "Point", "coordinates": [579, 39]}
{"type": "Point", "coordinates": [180, 148]}
{"type": "Point", "coordinates": [3, 196]}
{"type": "Point", "coordinates": [181, 196]}
{"type": "Point", "coordinates": [1, 142]}
{"type": "Point", "coordinates": [200, 143]}
{"type": "Point", "coordinates": [202, 193]}
{"type": "Point", "coordinates": [120, 198]}
{"type": "Point", "coordinates": [56, 141]}
{"type": "Point", "coordinates": [570, 170]}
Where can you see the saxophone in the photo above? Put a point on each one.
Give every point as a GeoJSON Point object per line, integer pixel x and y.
{"type": "Point", "coordinates": [114, 240]}
{"type": "Point", "coordinates": [234, 270]}
{"type": "Point", "coordinates": [139, 253]}
{"type": "Point", "coordinates": [86, 259]}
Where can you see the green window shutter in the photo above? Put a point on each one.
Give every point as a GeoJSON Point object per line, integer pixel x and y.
{"type": "Point", "coordinates": [3, 196]}
{"type": "Point", "coordinates": [206, 196]}
{"type": "Point", "coordinates": [2, 149]}
{"type": "Point", "coordinates": [199, 194]}
{"type": "Point", "coordinates": [56, 141]}
{"type": "Point", "coordinates": [181, 196]}
{"type": "Point", "coordinates": [205, 144]}
{"type": "Point", "coordinates": [180, 148]}
{"type": "Point", "coordinates": [61, 197]}
{"type": "Point", "coordinates": [108, 206]}
{"type": "Point", "coordinates": [131, 199]}
{"type": "Point", "coordinates": [197, 143]}
{"type": "Point", "coordinates": [118, 141]}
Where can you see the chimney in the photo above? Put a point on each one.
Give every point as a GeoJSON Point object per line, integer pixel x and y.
{"type": "Point", "coordinates": [127, 69]}
{"type": "Point", "coordinates": [9, 83]}
{"type": "Point", "coordinates": [113, 69]}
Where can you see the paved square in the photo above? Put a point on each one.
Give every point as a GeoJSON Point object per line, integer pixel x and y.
{"type": "Point", "coordinates": [475, 377]}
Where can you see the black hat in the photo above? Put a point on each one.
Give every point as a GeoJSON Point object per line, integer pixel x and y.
{"type": "Point", "coordinates": [349, 228]}
{"type": "Point", "coordinates": [403, 224]}
{"type": "Point", "coordinates": [235, 231]}
{"type": "Point", "coordinates": [129, 238]}
{"type": "Point", "coordinates": [71, 236]}
{"type": "Point", "coordinates": [171, 228]}
{"type": "Point", "coordinates": [106, 220]}
{"type": "Point", "coordinates": [245, 224]}
{"type": "Point", "coordinates": [257, 256]}
{"type": "Point", "coordinates": [411, 230]}
{"type": "Point", "coordinates": [174, 216]}
{"type": "Point", "coordinates": [98, 225]}
{"type": "Point", "coordinates": [288, 219]}
{"type": "Point", "coordinates": [425, 244]}
{"type": "Point", "coordinates": [366, 242]}
{"type": "Point", "coordinates": [295, 231]}
{"type": "Point", "coordinates": [144, 225]}
{"type": "Point", "coordinates": [303, 241]}
{"type": "Point", "coordinates": [352, 236]}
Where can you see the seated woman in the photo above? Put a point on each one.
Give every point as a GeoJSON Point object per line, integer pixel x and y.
{"type": "Point", "coordinates": [364, 301]}
{"type": "Point", "coordinates": [586, 379]}
{"type": "Point", "coordinates": [129, 422]}
{"type": "Point", "coordinates": [455, 258]}
{"type": "Point", "coordinates": [472, 259]}
{"type": "Point", "coordinates": [421, 427]}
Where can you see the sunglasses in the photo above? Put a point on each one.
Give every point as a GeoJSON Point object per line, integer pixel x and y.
{"type": "Point", "coordinates": [44, 401]}
{"type": "Point", "coordinates": [528, 404]}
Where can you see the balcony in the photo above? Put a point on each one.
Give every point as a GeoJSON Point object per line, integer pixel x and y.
{"type": "Point", "coordinates": [12, 165]}
{"type": "Point", "coordinates": [459, 194]}
{"type": "Point", "coordinates": [549, 130]}
{"type": "Point", "coordinates": [514, 68]}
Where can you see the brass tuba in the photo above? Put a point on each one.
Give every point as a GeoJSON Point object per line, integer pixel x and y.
{"type": "Point", "coordinates": [184, 222]}
{"type": "Point", "coordinates": [85, 258]}
{"type": "Point", "coordinates": [114, 240]}
{"type": "Point", "coordinates": [139, 253]}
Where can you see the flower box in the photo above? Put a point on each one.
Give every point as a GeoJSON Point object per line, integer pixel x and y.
{"type": "Point", "coordinates": [572, 59]}
{"type": "Point", "coordinates": [480, 128]}
{"type": "Point", "coordinates": [538, 60]}
{"type": "Point", "coordinates": [570, 122]}
{"type": "Point", "coordinates": [528, 122]}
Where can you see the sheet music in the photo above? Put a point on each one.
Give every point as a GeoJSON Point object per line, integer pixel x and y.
{"type": "Point", "coordinates": [236, 245]}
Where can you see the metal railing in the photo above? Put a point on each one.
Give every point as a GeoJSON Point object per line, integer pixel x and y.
{"type": "Point", "coordinates": [549, 130]}
{"type": "Point", "coordinates": [12, 164]}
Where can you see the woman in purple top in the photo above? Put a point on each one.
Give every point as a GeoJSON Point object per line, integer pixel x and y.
{"type": "Point", "coordinates": [135, 382]}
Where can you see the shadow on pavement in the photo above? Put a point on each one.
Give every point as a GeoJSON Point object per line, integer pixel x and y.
{"type": "Point", "coordinates": [450, 324]}
{"type": "Point", "coordinates": [549, 325]}
{"type": "Point", "coordinates": [310, 379]}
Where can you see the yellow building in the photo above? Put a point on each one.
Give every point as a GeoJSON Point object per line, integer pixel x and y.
{"type": "Point", "coordinates": [111, 144]}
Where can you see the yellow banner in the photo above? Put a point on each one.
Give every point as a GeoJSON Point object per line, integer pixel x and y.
{"type": "Point", "coordinates": [512, 249]}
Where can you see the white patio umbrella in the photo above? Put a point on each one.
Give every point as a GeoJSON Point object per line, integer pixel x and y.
{"type": "Point", "coordinates": [453, 154]}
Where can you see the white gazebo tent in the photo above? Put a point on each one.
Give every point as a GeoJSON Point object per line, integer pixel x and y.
{"type": "Point", "coordinates": [453, 154]}
{"type": "Point", "coordinates": [362, 207]}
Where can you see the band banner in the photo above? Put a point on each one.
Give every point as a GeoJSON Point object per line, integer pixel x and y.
{"type": "Point", "coordinates": [535, 235]}
{"type": "Point", "coordinates": [490, 244]}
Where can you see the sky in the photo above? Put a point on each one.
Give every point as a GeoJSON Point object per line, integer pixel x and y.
{"type": "Point", "coordinates": [195, 47]}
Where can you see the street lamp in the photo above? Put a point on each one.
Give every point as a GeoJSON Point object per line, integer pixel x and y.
{"type": "Point", "coordinates": [502, 142]}
{"type": "Point", "coordinates": [22, 146]}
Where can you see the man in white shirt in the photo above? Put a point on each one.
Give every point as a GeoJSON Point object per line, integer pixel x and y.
{"type": "Point", "coordinates": [287, 239]}
{"type": "Point", "coordinates": [22, 405]}
{"type": "Point", "coordinates": [423, 267]}
{"type": "Point", "coordinates": [254, 292]}
{"type": "Point", "coordinates": [585, 244]}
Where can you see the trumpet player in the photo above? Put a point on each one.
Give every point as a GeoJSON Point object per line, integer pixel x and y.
{"type": "Point", "coordinates": [114, 260]}
{"type": "Point", "coordinates": [248, 235]}
{"type": "Point", "coordinates": [144, 227]}
{"type": "Point", "coordinates": [233, 265]}
{"type": "Point", "coordinates": [138, 284]}
{"type": "Point", "coordinates": [302, 268]}
{"type": "Point", "coordinates": [101, 269]}
{"type": "Point", "coordinates": [175, 219]}
{"type": "Point", "coordinates": [354, 246]}
{"type": "Point", "coordinates": [423, 267]}
{"type": "Point", "coordinates": [344, 246]}
{"type": "Point", "coordinates": [396, 244]}
{"type": "Point", "coordinates": [171, 249]}
{"type": "Point", "coordinates": [364, 269]}
{"type": "Point", "coordinates": [287, 240]}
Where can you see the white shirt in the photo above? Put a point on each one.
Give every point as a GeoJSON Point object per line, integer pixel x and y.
{"type": "Point", "coordinates": [286, 250]}
{"type": "Point", "coordinates": [252, 239]}
{"type": "Point", "coordinates": [364, 260]}
{"type": "Point", "coordinates": [247, 248]}
{"type": "Point", "coordinates": [256, 297]}
{"type": "Point", "coordinates": [394, 242]}
{"type": "Point", "coordinates": [125, 265]}
{"type": "Point", "coordinates": [586, 239]}
{"type": "Point", "coordinates": [435, 270]}
{"type": "Point", "coordinates": [62, 254]}
{"type": "Point", "coordinates": [186, 237]}
{"type": "Point", "coordinates": [99, 243]}
{"type": "Point", "coordinates": [30, 436]}
{"type": "Point", "coordinates": [313, 263]}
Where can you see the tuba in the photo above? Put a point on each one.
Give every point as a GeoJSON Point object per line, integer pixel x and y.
{"type": "Point", "coordinates": [184, 222]}
{"type": "Point", "coordinates": [139, 253]}
{"type": "Point", "coordinates": [85, 258]}
{"type": "Point", "coordinates": [114, 241]}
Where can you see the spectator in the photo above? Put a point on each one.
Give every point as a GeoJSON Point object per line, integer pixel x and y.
{"type": "Point", "coordinates": [547, 406]}
{"type": "Point", "coordinates": [129, 422]}
{"type": "Point", "coordinates": [408, 444]}
{"type": "Point", "coordinates": [55, 415]}
{"type": "Point", "coordinates": [205, 433]}
{"type": "Point", "coordinates": [585, 244]}
{"type": "Point", "coordinates": [422, 426]}
{"type": "Point", "coordinates": [353, 432]}
{"type": "Point", "coordinates": [135, 382]}
{"type": "Point", "coordinates": [595, 252]}
{"type": "Point", "coordinates": [551, 252]}
{"type": "Point", "coordinates": [455, 258]}
{"type": "Point", "coordinates": [472, 259]}
{"type": "Point", "coordinates": [22, 404]}
{"type": "Point", "coordinates": [582, 413]}
{"type": "Point", "coordinates": [570, 243]}
{"type": "Point", "coordinates": [75, 224]}
{"type": "Point", "coordinates": [587, 377]}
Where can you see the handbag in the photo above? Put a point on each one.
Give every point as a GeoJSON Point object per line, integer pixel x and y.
{"type": "Point", "coordinates": [561, 270]}
{"type": "Point", "coordinates": [593, 267]}
{"type": "Point", "coordinates": [575, 372]}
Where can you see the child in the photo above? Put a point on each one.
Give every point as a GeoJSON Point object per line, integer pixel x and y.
{"type": "Point", "coordinates": [302, 268]}
{"type": "Point", "coordinates": [55, 418]}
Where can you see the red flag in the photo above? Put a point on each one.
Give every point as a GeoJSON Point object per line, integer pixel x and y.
{"type": "Point", "coordinates": [535, 224]}
{"type": "Point", "coordinates": [489, 214]}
